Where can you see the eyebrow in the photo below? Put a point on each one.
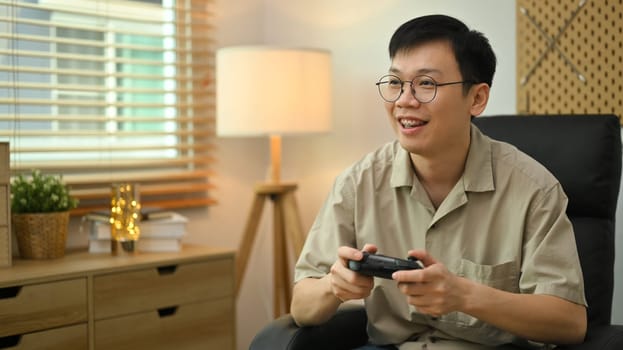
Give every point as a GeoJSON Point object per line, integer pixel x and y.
{"type": "Point", "coordinates": [418, 72]}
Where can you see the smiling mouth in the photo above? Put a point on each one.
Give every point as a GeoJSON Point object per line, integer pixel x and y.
{"type": "Point", "coordinates": [411, 123]}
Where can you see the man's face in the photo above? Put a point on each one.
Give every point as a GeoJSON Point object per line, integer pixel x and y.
{"type": "Point", "coordinates": [439, 126]}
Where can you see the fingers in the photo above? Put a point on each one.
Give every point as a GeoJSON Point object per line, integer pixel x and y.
{"type": "Point", "coordinates": [425, 296]}
{"type": "Point", "coordinates": [349, 253]}
{"type": "Point", "coordinates": [433, 290]}
{"type": "Point", "coordinates": [419, 275]}
{"type": "Point", "coordinates": [430, 298]}
{"type": "Point", "coordinates": [423, 256]}
{"type": "Point", "coordinates": [370, 248]}
{"type": "Point", "coordinates": [345, 283]}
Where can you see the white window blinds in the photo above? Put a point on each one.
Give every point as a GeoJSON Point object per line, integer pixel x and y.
{"type": "Point", "coordinates": [106, 91]}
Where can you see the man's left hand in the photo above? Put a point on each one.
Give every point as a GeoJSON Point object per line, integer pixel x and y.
{"type": "Point", "coordinates": [433, 290]}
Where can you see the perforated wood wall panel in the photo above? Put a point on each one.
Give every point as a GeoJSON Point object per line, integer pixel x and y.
{"type": "Point", "coordinates": [570, 56]}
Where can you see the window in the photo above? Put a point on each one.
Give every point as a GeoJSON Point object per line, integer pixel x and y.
{"type": "Point", "coordinates": [107, 91]}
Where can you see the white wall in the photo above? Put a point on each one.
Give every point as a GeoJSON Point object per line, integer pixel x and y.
{"type": "Point", "coordinates": [357, 33]}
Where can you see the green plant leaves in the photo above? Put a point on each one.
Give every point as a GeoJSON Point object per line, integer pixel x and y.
{"type": "Point", "coordinates": [40, 193]}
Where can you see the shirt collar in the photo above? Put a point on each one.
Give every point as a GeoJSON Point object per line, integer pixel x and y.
{"type": "Point", "coordinates": [402, 168]}
{"type": "Point", "coordinates": [478, 174]}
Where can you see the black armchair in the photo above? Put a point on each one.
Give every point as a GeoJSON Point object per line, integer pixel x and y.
{"type": "Point", "coordinates": [584, 153]}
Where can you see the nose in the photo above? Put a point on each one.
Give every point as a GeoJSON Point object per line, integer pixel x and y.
{"type": "Point", "coordinates": [407, 97]}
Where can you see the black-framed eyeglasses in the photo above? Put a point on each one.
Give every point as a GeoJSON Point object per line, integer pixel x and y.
{"type": "Point", "coordinates": [423, 87]}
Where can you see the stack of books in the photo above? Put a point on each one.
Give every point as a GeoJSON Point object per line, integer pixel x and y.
{"type": "Point", "coordinates": [160, 232]}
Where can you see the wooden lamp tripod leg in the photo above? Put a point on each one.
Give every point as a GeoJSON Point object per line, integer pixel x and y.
{"type": "Point", "coordinates": [280, 281]}
{"type": "Point", "coordinates": [250, 231]}
{"type": "Point", "coordinates": [293, 226]}
{"type": "Point", "coordinates": [286, 226]}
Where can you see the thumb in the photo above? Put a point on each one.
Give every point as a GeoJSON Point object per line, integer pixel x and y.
{"type": "Point", "coordinates": [370, 248]}
{"type": "Point", "coordinates": [422, 256]}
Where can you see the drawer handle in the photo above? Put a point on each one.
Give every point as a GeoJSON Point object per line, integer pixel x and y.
{"type": "Point", "coordinates": [9, 292]}
{"type": "Point", "coordinates": [167, 311]}
{"type": "Point", "coordinates": [167, 270]}
{"type": "Point", "coordinates": [10, 341]}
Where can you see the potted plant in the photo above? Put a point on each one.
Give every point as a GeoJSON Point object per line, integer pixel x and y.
{"type": "Point", "coordinates": [40, 207]}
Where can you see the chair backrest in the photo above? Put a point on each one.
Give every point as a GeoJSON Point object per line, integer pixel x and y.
{"type": "Point", "coordinates": [584, 153]}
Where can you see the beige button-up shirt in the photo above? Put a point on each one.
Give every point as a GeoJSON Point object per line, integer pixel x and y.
{"type": "Point", "coordinates": [503, 224]}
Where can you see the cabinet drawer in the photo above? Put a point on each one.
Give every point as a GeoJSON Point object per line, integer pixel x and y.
{"type": "Point", "coordinates": [28, 308]}
{"type": "Point", "coordinates": [152, 288]}
{"type": "Point", "coordinates": [72, 337]}
{"type": "Point", "coordinates": [206, 325]}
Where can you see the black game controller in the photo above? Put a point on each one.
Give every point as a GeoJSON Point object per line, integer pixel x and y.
{"type": "Point", "coordinates": [382, 266]}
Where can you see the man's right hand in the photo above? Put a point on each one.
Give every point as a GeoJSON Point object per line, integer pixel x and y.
{"type": "Point", "coordinates": [345, 283]}
{"type": "Point", "coordinates": [315, 300]}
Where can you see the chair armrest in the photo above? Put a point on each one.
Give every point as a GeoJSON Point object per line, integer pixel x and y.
{"type": "Point", "coordinates": [603, 337]}
{"type": "Point", "coordinates": [345, 330]}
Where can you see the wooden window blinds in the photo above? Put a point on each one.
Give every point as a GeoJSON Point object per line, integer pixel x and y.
{"type": "Point", "coordinates": [105, 91]}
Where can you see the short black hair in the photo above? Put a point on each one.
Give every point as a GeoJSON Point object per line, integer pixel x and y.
{"type": "Point", "coordinates": [472, 51]}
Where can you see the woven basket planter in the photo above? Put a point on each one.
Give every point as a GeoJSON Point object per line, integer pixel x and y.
{"type": "Point", "coordinates": [41, 235]}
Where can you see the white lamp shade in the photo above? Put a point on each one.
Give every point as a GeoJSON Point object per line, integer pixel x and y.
{"type": "Point", "coordinates": [263, 90]}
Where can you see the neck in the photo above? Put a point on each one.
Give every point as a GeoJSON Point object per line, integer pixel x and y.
{"type": "Point", "coordinates": [440, 173]}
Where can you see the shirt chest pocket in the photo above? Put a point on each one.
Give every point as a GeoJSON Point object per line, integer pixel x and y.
{"type": "Point", "coordinates": [503, 276]}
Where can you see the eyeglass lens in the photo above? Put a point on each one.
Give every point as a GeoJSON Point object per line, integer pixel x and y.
{"type": "Point", "coordinates": [422, 87]}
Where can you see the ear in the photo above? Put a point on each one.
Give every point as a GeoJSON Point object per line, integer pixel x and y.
{"type": "Point", "coordinates": [480, 97]}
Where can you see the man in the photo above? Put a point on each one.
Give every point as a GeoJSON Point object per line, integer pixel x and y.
{"type": "Point", "coordinates": [486, 221]}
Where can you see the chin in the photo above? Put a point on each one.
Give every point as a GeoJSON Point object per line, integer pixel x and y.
{"type": "Point", "coordinates": [409, 145]}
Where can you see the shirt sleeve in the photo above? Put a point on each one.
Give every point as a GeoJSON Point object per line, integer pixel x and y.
{"type": "Point", "coordinates": [332, 228]}
{"type": "Point", "coordinates": [551, 264]}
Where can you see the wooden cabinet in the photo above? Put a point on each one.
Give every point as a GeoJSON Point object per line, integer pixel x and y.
{"type": "Point", "coordinates": [150, 301]}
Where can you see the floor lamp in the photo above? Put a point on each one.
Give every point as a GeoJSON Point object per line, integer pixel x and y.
{"type": "Point", "coordinates": [269, 92]}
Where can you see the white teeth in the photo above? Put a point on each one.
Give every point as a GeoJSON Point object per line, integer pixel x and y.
{"type": "Point", "coordinates": [410, 123]}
